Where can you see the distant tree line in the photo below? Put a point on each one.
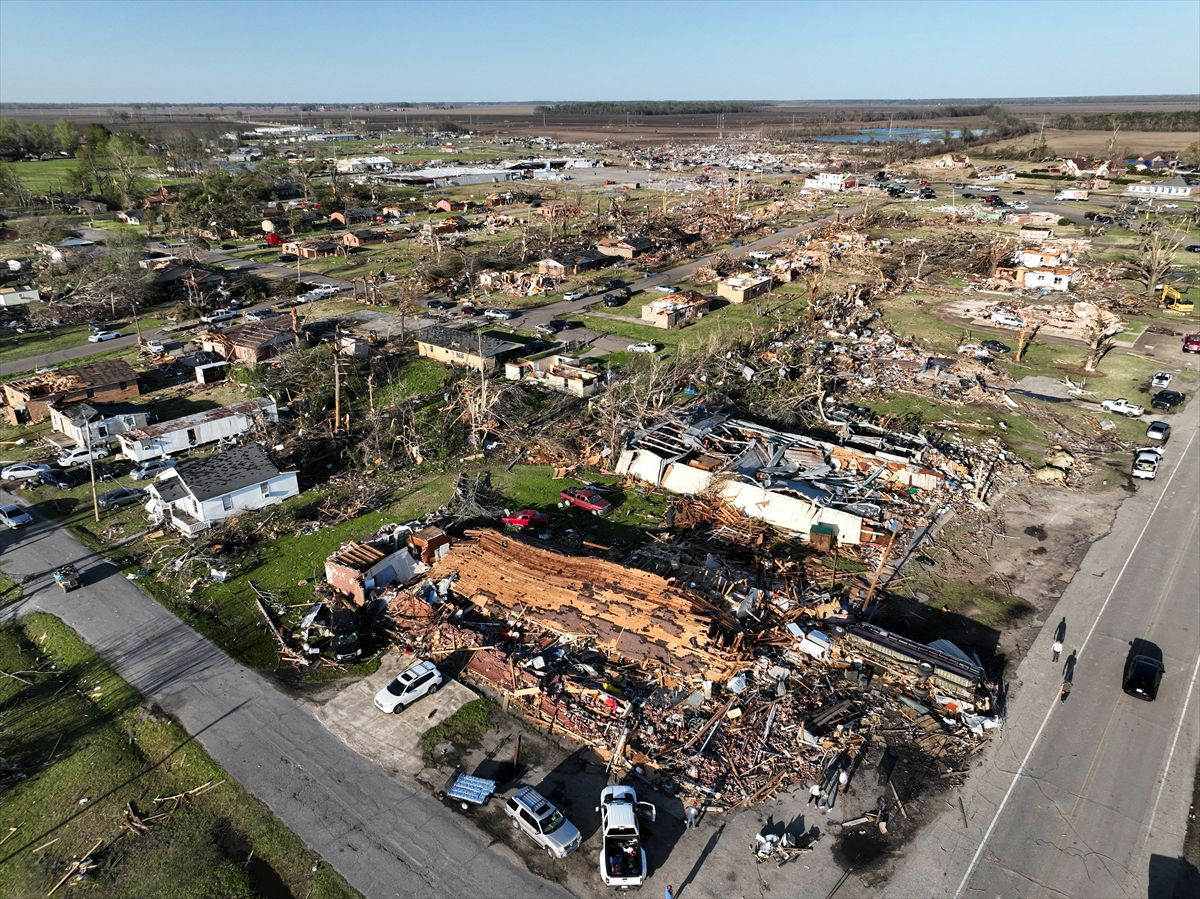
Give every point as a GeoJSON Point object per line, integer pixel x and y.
{"type": "Point", "coordinates": [19, 139]}
{"type": "Point", "coordinates": [1173, 120]}
{"type": "Point", "coordinates": [646, 107]}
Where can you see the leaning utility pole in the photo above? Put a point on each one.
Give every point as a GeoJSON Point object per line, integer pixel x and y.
{"type": "Point", "coordinates": [87, 440]}
{"type": "Point", "coordinates": [337, 392]}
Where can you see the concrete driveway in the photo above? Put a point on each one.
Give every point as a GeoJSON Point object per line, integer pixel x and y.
{"type": "Point", "coordinates": [393, 742]}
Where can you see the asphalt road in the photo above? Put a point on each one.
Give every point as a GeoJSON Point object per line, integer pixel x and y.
{"type": "Point", "coordinates": [386, 835]}
{"type": "Point", "coordinates": [1089, 797]}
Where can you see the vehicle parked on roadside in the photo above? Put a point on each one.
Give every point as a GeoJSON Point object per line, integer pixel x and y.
{"type": "Point", "coordinates": [102, 336]}
{"type": "Point", "coordinates": [56, 477]}
{"type": "Point", "coordinates": [422, 679]}
{"type": "Point", "coordinates": [553, 326]}
{"type": "Point", "coordinates": [288, 257]}
{"type": "Point", "coordinates": [532, 813]}
{"type": "Point", "coordinates": [13, 516]}
{"type": "Point", "coordinates": [1123, 407]}
{"type": "Point", "coordinates": [1166, 400]}
{"type": "Point", "coordinates": [666, 288]}
{"type": "Point", "coordinates": [613, 300]}
{"type": "Point", "coordinates": [572, 295]}
{"type": "Point", "coordinates": [1191, 343]}
{"type": "Point", "coordinates": [1146, 462]}
{"type": "Point", "coordinates": [122, 496]}
{"type": "Point", "coordinates": [261, 315]}
{"type": "Point", "coordinates": [441, 305]}
{"type": "Point", "coordinates": [19, 471]}
{"type": "Point", "coordinates": [155, 346]}
{"type": "Point", "coordinates": [622, 856]}
{"type": "Point", "coordinates": [1007, 320]}
{"type": "Point", "coordinates": [642, 348]}
{"type": "Point", "coordinates": [589, 499]}
{"type": "Point", "coordinates": [151, 468]}
{"type": "Point", "coordinates": [995, 346]}
{"type": "Point", "coordinates": [500, 315]}
{"type": "Point", "coordinates": [1159, 430]}
{"type": "Point", "coordinates": [1161, 380]}
{"type": "Point", "coordinates": [77, 455]}
{"type": "Point", "coordinates": [218, 315]}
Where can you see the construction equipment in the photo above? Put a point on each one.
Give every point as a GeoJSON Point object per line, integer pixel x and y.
{"type": "Point", "coordinates": [1174, 301]}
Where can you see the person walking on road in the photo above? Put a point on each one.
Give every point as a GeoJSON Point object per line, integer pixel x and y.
{"type": "Point", "coordinates": [1055, 650]}
{"type": "Point", "coordinates": [814, 793]}
{"type": "Point", "coordinates": [670, 893]}
{"type": "Point", "coordinates": [692, 817]}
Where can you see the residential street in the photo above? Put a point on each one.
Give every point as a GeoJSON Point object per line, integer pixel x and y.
{"type": "Point", "coordinates": [385, 835]}
{"type": "Point", "coordinates": [1090, 797]}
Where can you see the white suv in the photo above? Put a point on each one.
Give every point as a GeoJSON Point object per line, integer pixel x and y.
{"type": "Point", "coordinates": [420, 680]}
{"type": "Point", "coordinates": [76, 455]}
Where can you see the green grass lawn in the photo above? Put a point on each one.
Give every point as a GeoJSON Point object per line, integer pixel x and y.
{"type": "Point", "coordinates": [80, 745]}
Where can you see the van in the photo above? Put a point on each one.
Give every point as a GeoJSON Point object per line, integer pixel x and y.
{"type": "Point", "coordinates": [1007, 320]}
{"type": "Point", "coordinates": [76, 455]}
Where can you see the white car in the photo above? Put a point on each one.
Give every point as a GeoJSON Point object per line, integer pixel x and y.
{"type": "Point", "coordinates": [1007, 320]}
{"type": "Point", "coordinates": [218, 315]}
{"type": "Point", "coordinates": [421, 679]}
{"type": "Point", "coordinates": [22, 470]}
{"type": "Point", "coordinates": [1123, 407]}
{"type": "Point", "coordinates": [1018, 205]}
{"type": "Point", "coordinates": [1169, 206]}
{"type": "Point", "coordinates": [155, 346]}
{"type": "Point", "coordinates": [643, 348]}
{"type": "Point", "coordinates": [499, 315]}
{"type": "Point", "coordinates": [1161, 380]}
{"type": "Point", "coordinates": [1146, 462]}
{"type": "Point", "coordinates": [666, 288]}
{"type": "Point", "coordinates": [323, 291]}
{"type": "Point", "coordinates": [14, 516]}
{"type": "Point", "coordinates": [101, 336]}
{"type": "Point", "coordinates": [74, 455]}
{"type": "Point", "coordinates": [574, 295]}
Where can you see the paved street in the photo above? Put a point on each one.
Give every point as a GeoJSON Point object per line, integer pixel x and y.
{"type": "Point", "coordinates": [1090, 797]}
{"type": "Point", "coordinates": [385, 835]}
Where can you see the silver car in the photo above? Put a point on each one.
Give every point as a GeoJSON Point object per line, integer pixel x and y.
{"type": "Point", "coordinates": [533, 813]}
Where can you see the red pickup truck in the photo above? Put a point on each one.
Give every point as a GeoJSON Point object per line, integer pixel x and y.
{"type": "Point", "coordinates": [1191, 343]}
{"type": "Point", "coordinates": [527, 518]}
{"type": "Point", "coordinates": [586, 498]}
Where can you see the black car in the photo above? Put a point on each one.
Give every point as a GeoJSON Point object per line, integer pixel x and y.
{"type": "Point", "coordinates": [1193, 248]}
{"type": "Point", "coordinates": [1018, 193]}
{"type": "Point", "coordinates": [346, 646]}
{"type": "Point", "coordinates": [968, 196]}
{"type": "Point", "coordinates": [615, 299]}
{"type": "Point", "coordinates": [614, 283]}
{"type": "Point", "coordinates": [56, 477]}
{"type": "Point", "coordinates": [1166, 399]}
{"type": "Point", "coordinates": [1143, 674]}
{"type": "Point", "coordinates": [553, 326]}
{"type": "Point", "coordinates": [995, 346]}
{"type": "Point", "coordinates": [288, 257]}
{"type": "Point", "coordinates": [440, 304]}
{"type": "Point", "coordinates": [122, 496]}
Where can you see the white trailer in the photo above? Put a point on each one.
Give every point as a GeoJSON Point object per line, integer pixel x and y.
{"type": "Point", "coordinates": [182, 434]}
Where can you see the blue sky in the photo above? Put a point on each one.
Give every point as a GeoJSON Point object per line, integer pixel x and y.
{"type": "Point", "coordinates": [349, 50]}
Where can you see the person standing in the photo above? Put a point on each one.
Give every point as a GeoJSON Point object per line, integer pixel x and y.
{"type": "Point", "coordinates": [692, 817]}
{"type": "Point", "coordinates": [670, 893]}
{"type": "Point", "coordinates": [1055, 650]}
{"type": "Point", "coordinates": [814, 793]}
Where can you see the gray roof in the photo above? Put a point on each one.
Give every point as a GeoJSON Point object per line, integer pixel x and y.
{"type": "Point", "coordinates": [225, 472]}
{"type": "Point", "coordinates": [79, 413]}
{"type": "Point", "coordinates": [169, 489]}
{"type": "Point", "coordinates": [471, 342]}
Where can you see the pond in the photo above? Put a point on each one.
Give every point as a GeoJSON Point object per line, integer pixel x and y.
{"type": "Point", "coordinates": [889, 135]}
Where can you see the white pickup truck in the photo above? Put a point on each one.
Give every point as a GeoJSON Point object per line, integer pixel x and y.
{"type": "Point", "coordinates": [622, 856]}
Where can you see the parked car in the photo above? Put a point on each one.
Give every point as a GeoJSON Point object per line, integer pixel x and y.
{"type": "Point", "coordinates": [155, 346]}
{"type": "Point", "coordinates": [1007, 320]}
{"type": "Point", "coordinates": [260, 315]}
{"type": "Point", "coordinates": [440, 305]}
{"type": "Point", "coordinates": [1166, 400]}
{"type": "Point", "coordinates": [56, 477]}
{"type": "Point", "coordinates": [22, 470]}
{"type": "Point", "coordinates": [288, 257]}
{"type": "Point", "coordinates": [1123, 407]}
{"type": "Point", "coordinates": [643, 348]}
{"type": "Point", "coordinates": [532, 813]}
{"type": "Point", "coordinates": [14, 516]}
{"type": "Point", "coordinates": [1143, 674]}
{"type": "Point", "coordinates": [527, 518]}
{"type": "Point", "coordinates": [1159, 430]}
{"type": "Point", "coordinates": [1018, 206]}
{"type": "Point", "coordinates": [1018, 193]}
{"type": "Point", "coordinates": [1169, 206]}
{"type": "Point", "coordinates": [968, 196]}
{"type": "Point", "coordinates": [102, 336]}
{"type": "Point", "coordinates": [1193, 248]}
{"type": "Point", "coordinates": [346, 646]}
{"type": "Point", "coordinates": [572, 295]}
{"type": "Point", "coordinates": [1146, 462]}
{"type": "Point", "coordinates": [1191, 343]}
{"type": "Point", "coordinates": [614, 283]}
{"type": "Point", "coordinates": [500, 315]}
{"type": "Point", "coordinates": [622, 856]}
{"type": "Point", "coordinates": [218, 315]}
{"type": "Point", "coordinates": [151, 468]}
{"type": "Point", "coordinates": [1161, 380]}
{"type": "Point", "coordinates": [76, 455]}
{"type": "Point", "coordinates": [589, 499]}
{"type": "Point", "coordinates": [666, 288]}
{"type": "Point", "coordinates": [422, 679]}
{"type": "Point", "coordinates": [122, 496]}
{"type": "Point", "coordinates": [995, 346]}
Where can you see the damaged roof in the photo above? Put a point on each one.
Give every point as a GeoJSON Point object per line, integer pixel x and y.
{"type": "Point", "coordinates": [257, 406]}
{"type": "Point", "coordinates": [471, 342]}
{"type": "Point", "coordinates": [92, 374]}
{"type": "Point", "coordinates": [224, 472]}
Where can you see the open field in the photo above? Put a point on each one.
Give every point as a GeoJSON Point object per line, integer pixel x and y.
{"type": "Point", "coordinates": [1096, 143]}
{"type": "Point", "coordinates": [81, 747]}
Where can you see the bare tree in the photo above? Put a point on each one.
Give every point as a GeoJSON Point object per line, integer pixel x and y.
{"type": "Point", "coordinates": [1155, 256]}
{"type": "Point", "coordinates": [1101, 337]}
{"type": "Point", "coordinates": [1029, 330]}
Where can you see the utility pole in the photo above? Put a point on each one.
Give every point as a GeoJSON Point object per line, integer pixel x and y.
{"type": "Point", "coordinates": [137, 323]}
{"type": "Point", "coordinates": [337, 391]}
{"type": "Point", "coordinates": [87, 440]}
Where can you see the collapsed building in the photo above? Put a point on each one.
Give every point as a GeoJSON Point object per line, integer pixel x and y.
{"type": "Point", "coordinates": [790, 481]}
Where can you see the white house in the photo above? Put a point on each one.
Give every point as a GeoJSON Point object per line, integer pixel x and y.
{"type": "Point", "coordinates": [19, 296]}
{"type": "Point", "coordinates": [200, 493]}
{"type": "Point", "coordinates": [832, 181]}
{"type": "Point", "coordinates": [1048, 279]}
{"type": "Point", "coordinates": [355, 164]}
{"type": "Point", "coordinates": [1171, 187]}
{"type": "Point", "coordinates": [181, 434]}
{"type": "Point", "coordinates": [106, 422]}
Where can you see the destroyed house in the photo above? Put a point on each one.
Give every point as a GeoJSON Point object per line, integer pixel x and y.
{"type": "Point", "coordinates": [362, 238]}
{"type": "Point", "coordinates": [469, 348]}
{"type": "Point", "coordinates": [792, 482]}
{"type": "Point", "coordinates": [184, 279]}
{"type": "Point", "coordinates": [182, 434]}
{"type": "Point", "coordinates": [625, 248]}
{"type": "Point", "coordinates": [29, 399]}
{"type": "Point", "coordinates": [195, 495]}
{"type": "Point", "coordinates": [741, 288]}
{"type": "Point", "coordinates": [559, 373]}
{"type": "Point", "coordinates": [945, 665]}
{"type": "Point", "coordinates": [675, 309]}
{"type": "Point", "coordinates": [253, 342]}
{"type": "Point", "coordinates": [633, 614]}
{"type": "Point", "coordinates": [357, 568]}
{"type": "Point", "coordinates": [99, 424]}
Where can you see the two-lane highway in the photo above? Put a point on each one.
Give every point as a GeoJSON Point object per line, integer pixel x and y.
{"type": "Point", "coordinates": [1089, 797]}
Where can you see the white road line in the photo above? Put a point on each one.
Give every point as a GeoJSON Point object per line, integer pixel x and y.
{"type": "Point", "coordinates": [1170, 755]}
{"type": "Point", "coordinates": [1054, 702]}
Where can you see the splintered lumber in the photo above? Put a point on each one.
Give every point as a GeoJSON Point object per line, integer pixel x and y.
{"type": "Point", "coordinates": [634, 614]}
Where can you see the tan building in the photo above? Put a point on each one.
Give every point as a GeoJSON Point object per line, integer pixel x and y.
{"type": "Point", "coordinates": [559, 373]}
{"type": "Point", "coordinates": [468, 348]}
{"type": "Point", "coordinates": [674, 310]}
{"type": "Point", "coordinates": [741, 288]}
{"type": "Point", "coordinates": [253, 342]}
{"type": "Point", "coordinates": [108, 381]}
{"type": "Point", "coordinates": [361, 238]}
{"type": "Point", "coordinates": [625, 248]}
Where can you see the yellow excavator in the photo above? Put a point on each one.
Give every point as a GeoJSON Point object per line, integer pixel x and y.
{"type": "Point", "coordinates": [1174, 301]}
